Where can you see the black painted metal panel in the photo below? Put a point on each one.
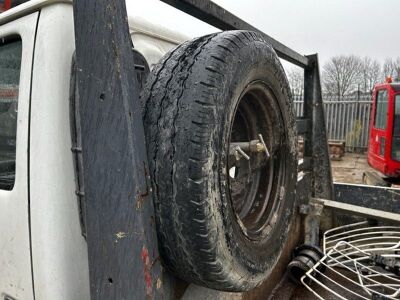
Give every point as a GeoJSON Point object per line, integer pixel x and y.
{"type": "Point", "coordinates": [122, 244]}
{"type": "Point", "coordinates": [381, 198]}
{"type": "Point", "coordinates": [303, 126]}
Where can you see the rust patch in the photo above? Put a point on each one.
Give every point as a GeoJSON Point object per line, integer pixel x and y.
{"type": "Point", "coordinates": [139, 202]}
{"type": "Point", "coordinates": [146, 173]}
{"type": "Point", "coordinates": [141, 198]}
{"type": "Point", "coordinates": [146, 270]}
{"type": "Point", "coordinates": [145, 194]}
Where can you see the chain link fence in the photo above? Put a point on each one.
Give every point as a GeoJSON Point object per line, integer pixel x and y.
{"type": "Point", "coordinates": [347, 119]}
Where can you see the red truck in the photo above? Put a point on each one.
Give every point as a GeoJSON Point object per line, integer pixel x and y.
{"type": "Point", "coordinates": [384, 139]}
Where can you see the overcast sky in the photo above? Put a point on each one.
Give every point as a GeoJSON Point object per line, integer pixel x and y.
{"type": "Point", "coordinates": [327, 27]}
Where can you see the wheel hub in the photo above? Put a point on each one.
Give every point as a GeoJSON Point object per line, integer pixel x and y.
{"type": "Point", "coordinates": [255, 164]}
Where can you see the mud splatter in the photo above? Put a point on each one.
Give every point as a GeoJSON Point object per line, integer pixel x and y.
{"type": "Point", "coordinates": [121, 235]}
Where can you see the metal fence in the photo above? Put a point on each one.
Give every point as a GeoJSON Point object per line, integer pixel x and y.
{"type": "Point", "coordinates": [347, 119]}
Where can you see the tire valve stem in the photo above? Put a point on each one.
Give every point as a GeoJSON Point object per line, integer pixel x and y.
{"type": "Point", "coordinates": [239, 153]}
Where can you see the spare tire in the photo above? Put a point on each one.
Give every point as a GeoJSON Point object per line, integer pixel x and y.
{"type": "Point", "coordinates": [222, 220]}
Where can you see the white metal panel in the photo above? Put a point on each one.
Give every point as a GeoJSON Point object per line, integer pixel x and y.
{"type": "Point", "coordinates": [151, 47]}
{"type": "Point", "coordinates": [26, 9]}
{"type": "Point", "coordinates": [59, 251]}
{"type": "Point", "coordinates": [15, 262]}
{"type": "Point", "coordinates": [152, 40]}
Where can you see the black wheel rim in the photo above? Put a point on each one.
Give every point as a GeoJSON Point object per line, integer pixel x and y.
{"type": "Point", "coordinates": [255, 184]}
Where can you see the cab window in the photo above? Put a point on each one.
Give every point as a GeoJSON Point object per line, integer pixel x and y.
{"type": "Point", "coordinates": [396, 129]}
{"type": "Point", "coordinates": [10, 66]}
{"type": "Point", "coordinates": [381, 109]}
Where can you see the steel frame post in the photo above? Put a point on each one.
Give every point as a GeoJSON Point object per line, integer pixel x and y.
{"type": "Point", "coordinates": [122, 244]}
{"type": "Point", "coordinates": [316, 143]}
{"type": "Point", "coordinates": [316, 149]}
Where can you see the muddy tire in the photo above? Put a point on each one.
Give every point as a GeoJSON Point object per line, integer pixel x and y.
{"type": "Point", "coordinates": [216, 227]}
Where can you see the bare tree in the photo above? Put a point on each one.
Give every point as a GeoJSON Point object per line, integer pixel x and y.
{"type": "Point", "coordinates": [391, 67]}
{"type": "Point", "coordinates": [296, 80]}
{"type": "Point", "coordinates": [370, 74]}
{"type": "Point", "coordinates": [341, 74]}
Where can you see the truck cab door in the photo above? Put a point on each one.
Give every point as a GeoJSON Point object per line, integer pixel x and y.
{"type": "Point", "coordinates": [395, 151]}
{"type": "Point", "coordinates": [16, 51]}
{"type": "Point", "coordinates": [378, 136]}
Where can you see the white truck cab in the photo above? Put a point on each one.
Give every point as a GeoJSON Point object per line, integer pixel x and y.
{"type": "Point", "coordinates": [43, 254]}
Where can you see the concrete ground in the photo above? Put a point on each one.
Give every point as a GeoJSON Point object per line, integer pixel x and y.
{"type": "Point", "coordinates": [350, 168]}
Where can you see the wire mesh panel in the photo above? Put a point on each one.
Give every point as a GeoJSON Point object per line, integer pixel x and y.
{"type": "Point", "coordinates": [361, 261]}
